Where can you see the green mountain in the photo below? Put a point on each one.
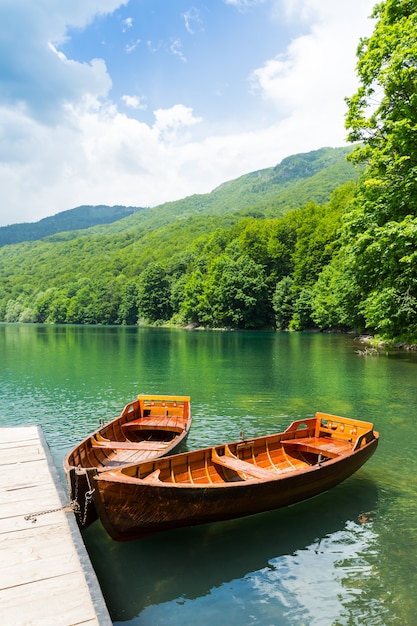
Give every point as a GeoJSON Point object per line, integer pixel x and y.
{"type": "Point", "coordinates": [174, 261]}
{"type": "Point", "coordinates": [74, 219]}
{"type": "Point", "coordinates": [271, 192]}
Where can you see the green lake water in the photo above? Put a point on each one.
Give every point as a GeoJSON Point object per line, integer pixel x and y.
{"type": "Point", "coordinates": [346, 557]}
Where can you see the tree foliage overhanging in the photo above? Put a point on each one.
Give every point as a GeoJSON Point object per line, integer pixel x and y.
{"type": "Point", "coordinates": [300, 245]}
{"type": "Point", "coordinates": [372, 280]}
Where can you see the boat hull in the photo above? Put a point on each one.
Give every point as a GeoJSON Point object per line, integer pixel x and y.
{"type": "Point", "coordinates": [130, 511]}
{"type": "Point", "coordinates": [151, 427]}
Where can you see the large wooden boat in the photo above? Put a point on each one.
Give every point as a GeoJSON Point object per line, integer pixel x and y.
{"type": "Point", "coordinates": [232, 480]}
{"type": "Point", "coordinates": [150, 427]}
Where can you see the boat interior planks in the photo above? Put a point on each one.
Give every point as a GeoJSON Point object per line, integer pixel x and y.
{"type": "Point", "coordinates": [149, 427]}
{"type": "Point", "coordinates": [234, 479]}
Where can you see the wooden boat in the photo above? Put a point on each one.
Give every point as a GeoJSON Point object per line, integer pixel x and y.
{"type": "Point", "coordinates": [232, 480]}
{"type": "Point", "coordinates": [148, 428]}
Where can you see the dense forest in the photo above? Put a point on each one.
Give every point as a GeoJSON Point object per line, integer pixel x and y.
{"type": "Point", "coordinates": [213, 260]}
{"type": "Point", "coordinates": [323, 240]}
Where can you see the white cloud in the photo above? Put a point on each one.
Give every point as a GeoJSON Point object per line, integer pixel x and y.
{"type": "Point", "coordinates": [244, 4]}
{"type": "Point", "coordinates": [176, 49]}
{"type": "Point", "coordinates": [63, 144]}
{"type": "Point", "coordinates": [135, 102]}
{"type": "Point", "coordinates": [307, 84]}
{"type": "Point", "coordinates": [170, 122]}
{"type": "Point", "coordinates": [127, 23]}
{"type": "Point", "coordinates": [193, 21]}
{"type": "Point", "coordinates": [131, 47]}
{"type": "Point", "coordinates": [32, 72]}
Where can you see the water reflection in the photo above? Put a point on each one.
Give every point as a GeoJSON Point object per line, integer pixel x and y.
{"type": "Point", "coordinates": [312, 564]}
{"type": "Point", "coordinates": [285, 563]}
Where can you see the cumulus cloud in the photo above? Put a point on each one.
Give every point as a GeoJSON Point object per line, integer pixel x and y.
{"type": "Point", "coordinates": [32, 73]}
{"type": "Point", "coordinates": [170, 123]}
{"type": "Point", "coordinates": [307, 84]}
{"type": "Point", "coordinates": [135, 102]}
{"type": "Point", "coordinates": [64, 143]}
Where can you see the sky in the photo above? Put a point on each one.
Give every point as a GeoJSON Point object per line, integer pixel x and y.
{"type": "Point", "coordinates": [139, 102]}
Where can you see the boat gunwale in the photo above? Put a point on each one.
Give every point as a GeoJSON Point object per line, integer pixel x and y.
{"type": "Point", "coordinates": [177, 438]}
{"type": "Point", "coordinates": [117, 476]}
{"type": "Point", "coordinates": [370, 437]}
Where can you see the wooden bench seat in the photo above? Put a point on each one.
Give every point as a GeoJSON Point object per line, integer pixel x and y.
{"type": "Point", "coordinates": [129, 445]}
{"type": "Point", "coordinates": [121, 458]}
{"type": "Point", "coordinates": [238, 465]}
{"type": "Point", "coordinates": [172, 423]}
{"type": "Point", "coordinates": [328, 447]}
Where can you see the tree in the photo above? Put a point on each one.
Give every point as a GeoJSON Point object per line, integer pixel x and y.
{"type": "Point", "coordinates": [14, 309]}
{"type": "Point", "coordinates": [283, 302]}
{"type": "Point", "coordinates": [154, 294]}
{"type": "Point", "coordinates": [302, 317]}
{"type": "Point", "coordinates": [194, 307]}
{"type": "Point", "coordinates": [42, 305]}
{"type": "Point", "coordinates": [58, 308]}
{"type": "Point", "coordinates": [335, 296]}
{"type": "Point", "coordinates": [236, 292]}
{"type": "Point", "coordinates": [383, 112]}
{"type": "Point", "coordinates": [128, 309]}
{"type": "Point", "coordinates": [380, 228]}
{"type": "Point", "coordinates": [232, 292]}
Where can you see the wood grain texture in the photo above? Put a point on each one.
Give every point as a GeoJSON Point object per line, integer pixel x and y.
{"type": "Point", "coordinates": [43, 579]}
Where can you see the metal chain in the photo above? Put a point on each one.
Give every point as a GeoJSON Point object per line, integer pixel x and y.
{"type": "Point", "coordinates": [88, 496]}
{"type": "Point", "coordinates": [33, 517]}
{"type": "Point", "coordinates": [74, 501]}
{"type": "Point", "coordinates": [72, 507]}
{"type": "Point", "coordinates": [88, 499]}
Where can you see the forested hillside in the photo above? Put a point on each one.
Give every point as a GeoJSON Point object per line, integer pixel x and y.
{"type": "Point", "coordinates": [212, 259]}
{"type": "Point", "coordinates": [326, 239]}
{"type": "Point", "coordinates": [271, 192]}
{"type": "Point", "coordinates": [73, 219]}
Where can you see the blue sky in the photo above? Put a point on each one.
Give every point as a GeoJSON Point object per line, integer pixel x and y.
{"type": "Point", "coordinates": [144, 101]}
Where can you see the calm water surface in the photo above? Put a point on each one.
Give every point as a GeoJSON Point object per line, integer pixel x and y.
{"type": "Point", "coordinates": [346, 557]}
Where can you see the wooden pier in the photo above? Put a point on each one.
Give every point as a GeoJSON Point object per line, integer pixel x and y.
{"type": "Point", "coordinates": [46, 577]}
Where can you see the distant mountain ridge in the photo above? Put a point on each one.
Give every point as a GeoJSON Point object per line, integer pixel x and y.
{"type": "Point", "coordinates": [78, 218]}
{"type": "Point", "coordinates": [177, 261]}
{"type": "Point", "coordinates": [270, 192]}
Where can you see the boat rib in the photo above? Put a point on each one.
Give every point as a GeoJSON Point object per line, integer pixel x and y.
{"type": "Point", "coordinates": [231, 480]}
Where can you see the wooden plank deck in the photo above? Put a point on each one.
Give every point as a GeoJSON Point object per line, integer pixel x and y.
{"type": "Point", "coordinates": [46, 577]}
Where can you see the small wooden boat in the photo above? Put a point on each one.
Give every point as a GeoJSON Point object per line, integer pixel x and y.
{"type": "Point", "coordinates": [232, 480]}
{"type": "Point", "coordinates": [150, 427]}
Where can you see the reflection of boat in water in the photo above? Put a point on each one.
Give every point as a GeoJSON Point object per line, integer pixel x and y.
{"type": "Point", "coordinates": [232, 480]}
{"type": "Point", "coordinates": [253, 544]}
{"type": "Point", "coordinates": [149, 427]}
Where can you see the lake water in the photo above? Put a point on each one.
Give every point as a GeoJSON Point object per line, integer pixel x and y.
{"type": "Point", "coordinates": [346, 557]}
